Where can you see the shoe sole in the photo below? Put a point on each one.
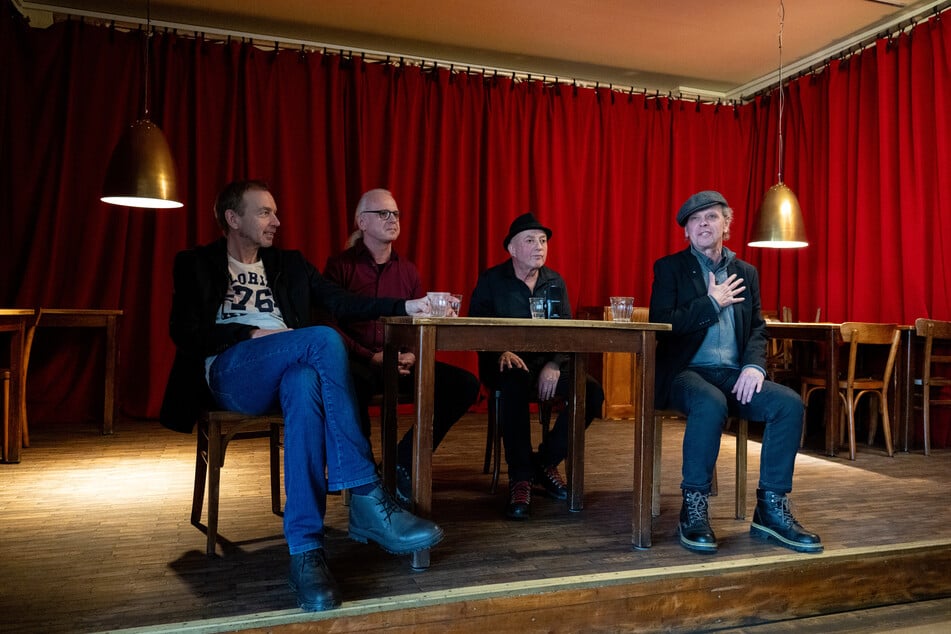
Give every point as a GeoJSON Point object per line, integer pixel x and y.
{"type": "Point", "coordinates": [406, 549]}
{"type": "Point", "coordinates": [762, 533]}
{"type": "Point", "coordinates": [697, 547]}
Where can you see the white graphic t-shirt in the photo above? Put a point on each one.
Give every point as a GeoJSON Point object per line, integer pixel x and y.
{"type": "Point", "coordinates": [249, 301]}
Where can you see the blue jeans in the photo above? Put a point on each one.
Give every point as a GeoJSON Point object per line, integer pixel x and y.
{"type": "Point", "coordinates": [704, 395]}
{"type": "Point", "coordinates": [304, 372]}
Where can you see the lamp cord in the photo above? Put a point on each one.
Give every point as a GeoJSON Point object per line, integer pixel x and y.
{"type": "Point", "coordinates": [148, 41]}
{"type": "Point", "coordinates": [779, 160]}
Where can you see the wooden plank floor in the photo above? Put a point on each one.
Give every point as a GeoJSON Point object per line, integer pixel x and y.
{"type": "Point", "coordinates": [95, 530]}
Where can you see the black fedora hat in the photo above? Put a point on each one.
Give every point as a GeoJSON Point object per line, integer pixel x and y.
{"type": "Point", "coordinates": [524, 223]}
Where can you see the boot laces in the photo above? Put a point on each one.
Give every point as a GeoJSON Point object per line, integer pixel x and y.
{"type": "Point", "coordinates": [390, 506]}
{"type": "Point", "coordinates": [697, 507]}
{"type": "Point", "coordinates": [785, 511]}
{"type": "Point", "coordinates": [554, 476]}
{"type": "Point", "coordinates": [521, 492]}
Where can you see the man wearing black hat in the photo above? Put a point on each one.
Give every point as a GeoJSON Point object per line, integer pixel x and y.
{"type": "Point", "coordinates": [504, 291]}
{"type": "Point", "coordinates": [712, 365]}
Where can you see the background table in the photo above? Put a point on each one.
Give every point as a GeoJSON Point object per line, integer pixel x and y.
{"type": "Point", "coordinates": [15, 322]}
{"type": "Point", "coordinates": [426, 335]}
{"type": "Point", "coordinates": [827, 335]}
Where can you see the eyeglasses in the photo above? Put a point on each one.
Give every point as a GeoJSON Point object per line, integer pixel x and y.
{"type": "Point", "coordinates": [384, 214]}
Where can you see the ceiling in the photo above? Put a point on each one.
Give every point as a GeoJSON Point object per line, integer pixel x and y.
{"type": "Point", "coordinates": [725, 48]}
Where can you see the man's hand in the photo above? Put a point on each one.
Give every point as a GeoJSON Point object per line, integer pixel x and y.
{"type": "Point", "coordinates": [730, 292]}
{"type": "Point", "coordinates": [548, 381]}
{"type": "Point", "coordinates": [749, 383]}
{"type": "Point", "coordinates": [419, 307]}
{"type": "Point", "coordinates": [510, 360]}
{"type": "Point", "coordinates": [404, 363]}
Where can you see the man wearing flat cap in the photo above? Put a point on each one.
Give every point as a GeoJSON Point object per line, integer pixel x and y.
{"type": "Point", "coordinates": [504, 291]}
{"type": "Point", "coordinates": [712, 365]}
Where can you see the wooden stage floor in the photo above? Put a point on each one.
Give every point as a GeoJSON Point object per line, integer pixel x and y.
{"type": "Point", "coordinates": [96, 537]}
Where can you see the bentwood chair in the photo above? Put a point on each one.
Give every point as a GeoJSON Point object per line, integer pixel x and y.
{"type": "Point", "coordinates": [935, 376]}
{"type": "Point", "coordinates": [862, 377]}
{"type": "Point", "coordinates": [216, 429]}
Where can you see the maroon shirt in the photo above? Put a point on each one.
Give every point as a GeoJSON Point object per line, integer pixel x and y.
{"type": "Point", "coordinates": [355, 270]}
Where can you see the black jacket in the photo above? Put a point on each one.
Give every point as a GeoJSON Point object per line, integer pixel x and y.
{"type": "Point", "coordinates": [679, 297]}
{"type": "Point", "coordinates": [499, 293]}
{"type": "Point", "coordinates": [201, 281]}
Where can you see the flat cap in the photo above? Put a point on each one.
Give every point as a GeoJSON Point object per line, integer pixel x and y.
{"type": "Point", "coordinates": [700, 200]}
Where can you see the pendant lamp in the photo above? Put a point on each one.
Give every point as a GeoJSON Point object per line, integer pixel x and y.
{"type": "Point", "coordinates": [779, 221]}
{"type": "Point", "coordinates": [141, 172]}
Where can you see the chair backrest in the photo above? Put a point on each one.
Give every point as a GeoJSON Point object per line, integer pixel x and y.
{"type": "Point", "coordinates": [857, 334]}
{"type": "Point", "coordinates": [933, 330]}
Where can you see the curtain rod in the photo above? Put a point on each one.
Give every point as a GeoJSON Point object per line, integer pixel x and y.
{"type": "Point", "coordinates": [746, 92]}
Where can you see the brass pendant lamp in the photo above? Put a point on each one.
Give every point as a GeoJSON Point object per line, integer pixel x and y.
{"type": "Point", "coordinates": [141, 172]}
{"type": "Point", "coordinates": [779, 221]}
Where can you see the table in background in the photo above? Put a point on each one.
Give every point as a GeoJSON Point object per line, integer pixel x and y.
{"type": "Point", "coordinates": [426, 335]}
{"type": "Point", "coordinates": [15, 321]}
{"type": "Point", "coordinates": [108, 320]}
{"type": "Point", "coordinates": [828, 335]}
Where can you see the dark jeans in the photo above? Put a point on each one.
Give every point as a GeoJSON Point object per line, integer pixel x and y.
{"type": "Point", "coordinates": [455, 390]}
{"type": "Point", "coordinates": [304, 372]}
{"type": "Point", "coordinates": [704, 395]}
{"type": "Point", "coordinates": [518, 388]}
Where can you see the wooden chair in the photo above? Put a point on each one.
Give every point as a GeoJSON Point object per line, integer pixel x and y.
{"type": "Point", "coordinates": [215, 430]}
{"type": "Point", "coordinates": [642, 314]}
{"type": "Point", "coordinates": [493, 438]}
{"type": "Point", "coordinates": [860, 336]}
{"type": "Point", "coordinates": [742, 435]}
{"type": "Point", "coordinates": [932, 377]}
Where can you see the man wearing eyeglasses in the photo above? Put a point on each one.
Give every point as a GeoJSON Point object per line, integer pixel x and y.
{"type": "Point", "coordinates": [371, 267]}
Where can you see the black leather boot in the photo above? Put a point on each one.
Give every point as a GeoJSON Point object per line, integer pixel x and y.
{"type": "Point", "coordinates": [377, 517]}
{"type": "Point", "coordinates": [773, 521]}
{"type": "Point", "coordinates": [311, 580]}
{"type": "Point", "coordinates": [694, 529]}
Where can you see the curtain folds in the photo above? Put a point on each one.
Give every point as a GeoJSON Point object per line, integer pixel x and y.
{"type": "Point", "coordinates": [866, 150]}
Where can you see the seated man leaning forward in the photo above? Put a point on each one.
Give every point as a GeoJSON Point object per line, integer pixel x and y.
{"type": "Point", "coordinates": [504, 291]}
{"type": "Point", "coordinates": [371, 267]}
{"type": "Point", "coordinates": [712, 365]}
{"type": "Point", "coordinates": [240, 323]}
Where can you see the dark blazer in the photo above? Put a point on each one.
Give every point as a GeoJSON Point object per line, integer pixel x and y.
{"type": "Point", "coordinates": [679, 298]}
{"type": "Point", "coordinates": [201, 281]}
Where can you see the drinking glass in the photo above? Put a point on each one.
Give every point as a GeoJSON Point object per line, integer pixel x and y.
{"type": "Point", "coordinates": [622, 308]}
{"type": "Point", "coordinates": [537, 304]}
{"type": "Point", "coordinates": [439, 304]}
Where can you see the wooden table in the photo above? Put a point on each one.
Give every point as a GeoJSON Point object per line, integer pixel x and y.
{"type": "Point", "coordinates": [828, 335]}
{"type": "Point", "coordinates": [93, 318]}
{"type": "Point", "coordinates": [426, 335]}
{"type": "Point", "coordinates": [15, 322]}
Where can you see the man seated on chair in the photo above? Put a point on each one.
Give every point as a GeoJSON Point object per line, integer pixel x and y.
{"type": "Point", "coordinates": [371, 267]}
{"type": "Point", "coordinates": [712, 365]}
{"type": "Point", "coordinates": [240, 322]}
{"type": "Point", "coordinates": [504, 291]}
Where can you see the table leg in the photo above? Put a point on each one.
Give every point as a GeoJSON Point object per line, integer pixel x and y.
{"type": "Point", "coordinates": [643, 457]}
{"type": "Point", "coordinates": [112, 362]}
{"type": "Point", "coordinates": [423, 434]}
{"type": "Point", "coordinates": [832, 393]}
{"type": "Point", "coordinates": [904, 379]}
{"type": "Point", "coordinates": [14, 432]}
{"type": "Point", "coordinates": [576, 434]}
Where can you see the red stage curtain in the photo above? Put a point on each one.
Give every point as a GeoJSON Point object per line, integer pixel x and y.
{"type": "Point", "coordinates": [464, 153]}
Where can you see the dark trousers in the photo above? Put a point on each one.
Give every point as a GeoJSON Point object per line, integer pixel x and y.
{"type": "Point", "coordinates": [518, 388]}
{"type": "Point", "coordinates": [704, 395]}
{"type": "Point", "coordinates": [455, 390]}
